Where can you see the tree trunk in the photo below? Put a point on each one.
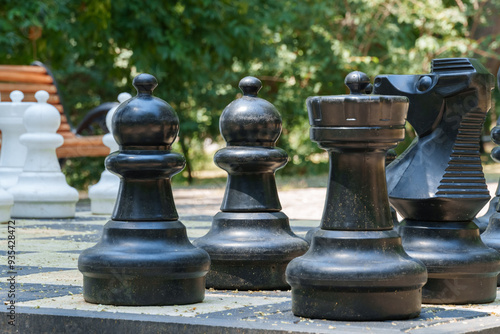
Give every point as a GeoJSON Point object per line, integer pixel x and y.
{"type": "Point", "coordinates": [185, 152]}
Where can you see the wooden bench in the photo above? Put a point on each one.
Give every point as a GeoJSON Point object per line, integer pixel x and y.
{"type": "Point", "coordinates": [31, 78]}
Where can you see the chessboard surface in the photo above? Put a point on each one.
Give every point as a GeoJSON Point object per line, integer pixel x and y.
{"type": "Point", "coordinates": [48, 296]}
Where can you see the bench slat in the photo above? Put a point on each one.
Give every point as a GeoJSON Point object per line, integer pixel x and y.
{"type": "Point", "coordinates": [23, 68]}
{"type": "Point", "coordinates": [67, 134]}
{"type": "Point", "coordinates": [37, 78]}
{"type": "Point", "coordinates": [79, 146]}
{"type": "Point", "coordinates": [84, 151]}
{"type": "Point", "coordinates": [27, 88]}
{"type": "Point", "coordinates": [64, 127]}
{"type": "Point", "coordinates": [84, 140]}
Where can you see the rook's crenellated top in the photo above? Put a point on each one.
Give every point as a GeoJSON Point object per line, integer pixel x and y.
{"type": "Point", "coordinates": [358, 109]}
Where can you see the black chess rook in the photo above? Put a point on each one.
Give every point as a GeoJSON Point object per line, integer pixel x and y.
{"type": "Point", "coordinates": [356, 267]}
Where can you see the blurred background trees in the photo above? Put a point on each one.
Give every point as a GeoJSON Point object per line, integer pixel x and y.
{"type": "Point", "coordinates": [199, 49]}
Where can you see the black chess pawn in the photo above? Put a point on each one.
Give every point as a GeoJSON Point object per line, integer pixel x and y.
{"type": "Point", "coordinates": [356, 267]}
{"type": "Point", "coordinates": [144, 256]}
{"type": "Point", "coordinates": [250, 242]}
{"type": "Point", "coordinates": [438, 185]}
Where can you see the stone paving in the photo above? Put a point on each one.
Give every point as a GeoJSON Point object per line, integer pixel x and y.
{"type": "Point", "coordinates": [49, 286]}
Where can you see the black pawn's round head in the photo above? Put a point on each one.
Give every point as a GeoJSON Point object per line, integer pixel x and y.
{"type": "Point", "coordinates": [250, 120]}
{"type": "Point", "coordinates": [145, 83]}
{"type": "Point", "coordinates": [250, 86]}
{"type": "Point", "coordinates": [358, 83]}
{"type": "Point", "coordinates": [145, 120]}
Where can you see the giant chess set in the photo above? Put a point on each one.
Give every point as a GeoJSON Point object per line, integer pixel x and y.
{"type": "Point", "coordinates": [130, 262]}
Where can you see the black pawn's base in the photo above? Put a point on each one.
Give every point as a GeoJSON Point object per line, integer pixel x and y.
{"type": "Point", "coordinates": [356, 275]}
{"type": "Point", "coordinates": [491, 237]}
{"type": "Point", "coordinates": [462, 269]}
{"type": "Point", "coordinates": [144, 263]}
{"type": "Point", "coordinates": [237, 275]}
{"type": "Point", "coordinates": [250, 251]}
{"type": "Point", "coordinates": [142, 291]}
{"type": "Point", "coordinates": [483, 221]}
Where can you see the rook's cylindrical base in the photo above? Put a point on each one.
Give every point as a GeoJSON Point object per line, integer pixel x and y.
{"type": "Point", "coordinates": [356, 304]}
{"type": "Point", "coordinates": [356, 275]}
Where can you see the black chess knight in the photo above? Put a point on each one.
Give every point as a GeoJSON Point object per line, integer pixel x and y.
{"type": "Point", "coordinates": [438, 185]}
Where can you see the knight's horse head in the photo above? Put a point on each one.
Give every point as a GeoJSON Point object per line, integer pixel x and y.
{"type": "Point", "coordinates": [428, 92]}
{"type": "Point", "coordinates": [439, 177]}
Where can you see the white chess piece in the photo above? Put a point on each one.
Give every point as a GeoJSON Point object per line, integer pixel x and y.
{"type": "Point", "coordinates": [103, 194]}
{"type": "Point", "coordinates": [13, 153]}
{"type": "Point", "coordinates": [41, 190]}
{"type": "Point", "coordinates": [6, 199]}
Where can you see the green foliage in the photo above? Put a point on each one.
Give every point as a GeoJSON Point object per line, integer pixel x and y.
{"type": "Point", "coordinates": [199, 49]}
{"type": "Point", "coordinates": [83, 172]}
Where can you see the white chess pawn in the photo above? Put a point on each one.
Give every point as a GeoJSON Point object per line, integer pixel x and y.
{"type": "Point", "coordinates": [103, 194]}
{"type": "Point", "coordinates": [41, 190]}
{"type": "Point", "coordinates": [13, 153]}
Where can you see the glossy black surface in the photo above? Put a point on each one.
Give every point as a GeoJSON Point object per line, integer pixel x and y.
{"type": "Point", "coordinates": [144, 256]}
{"type": "Point", "coordinates": [483, 221]}
{"type": "Point", "coordinates": [250, 242]}
{"type": "Point", "coordinates": [491, 237]}
{"type": "Point", "coordinates": [356, 267]}
{"type": "Point", "coordinates": [438, 185]}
